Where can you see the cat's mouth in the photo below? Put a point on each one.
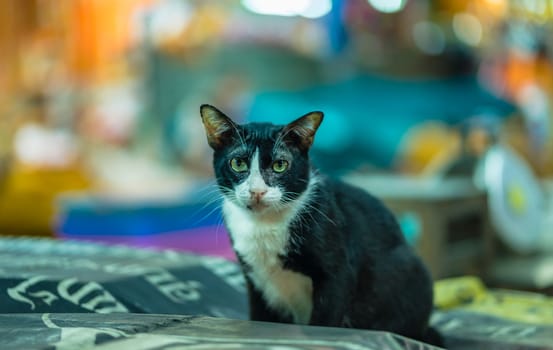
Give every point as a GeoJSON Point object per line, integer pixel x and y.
{"type": "Point", "coordinates": [257, 206]}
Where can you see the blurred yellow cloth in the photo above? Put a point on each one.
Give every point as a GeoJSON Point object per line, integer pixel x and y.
{"type": "Point", "coordinates": [428, 147]}
{"type": "Point", "coordinates": [470, 294]}
{"type": "Point", "coordinates": [28, 195]}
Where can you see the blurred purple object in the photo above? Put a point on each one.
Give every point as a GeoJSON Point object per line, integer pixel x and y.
{"type": "Point", "coordinates": [193, 223]}
{"type": "Point", "coordinates": [212, 241]}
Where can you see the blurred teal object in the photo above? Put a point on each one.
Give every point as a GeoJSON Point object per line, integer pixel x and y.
{"type": "Point", "coordinates": [367, 116]}
{"type": "Point", "coordinates": [411, 226]}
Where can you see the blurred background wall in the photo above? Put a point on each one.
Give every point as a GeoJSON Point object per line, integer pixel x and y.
{"type": "Point", "coordinates": [99, 99]}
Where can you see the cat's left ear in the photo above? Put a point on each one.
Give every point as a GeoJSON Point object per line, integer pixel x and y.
{"type": "Point", "coordinates": [303, 129]}
{"type": "Point", "coordinates": [218, 127]}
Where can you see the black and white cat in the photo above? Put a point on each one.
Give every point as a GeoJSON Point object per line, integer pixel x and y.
{"type": "Point", "coordinates": [313, 250]}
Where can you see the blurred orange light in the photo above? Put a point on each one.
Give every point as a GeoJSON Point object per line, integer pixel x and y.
{"type": "Point", "coordinates": [100, 32]}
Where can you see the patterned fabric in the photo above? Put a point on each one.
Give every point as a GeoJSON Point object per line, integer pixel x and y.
{"type": "Point", "coordinates": [478, 331]}
{"type": "Point", "coordinates": [156, 332]}
{"type": "Point", "coordinates": [75, 295]}
{"type": "Point", "coordinates": [468, 293]}
{"type": "Point", "coordinates": [40, 275]}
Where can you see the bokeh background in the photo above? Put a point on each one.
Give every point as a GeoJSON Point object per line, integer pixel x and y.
{"type": "Point", "coordinates": [101, 139]}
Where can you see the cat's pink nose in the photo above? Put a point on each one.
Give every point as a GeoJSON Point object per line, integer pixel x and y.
{"type": "Point", "coordinates": [257, 194]}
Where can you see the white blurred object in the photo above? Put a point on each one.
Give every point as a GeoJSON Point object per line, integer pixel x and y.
{"type": "Point", "coordinates": [388, 6]}
{"type": "Point", "coordinates": [546, 239]}
{"type": "Point", "coordinates": [118, 111]}
{"type": "Point", "coordinates": [305, 8]}
{"type": "Point", "coordinates": [168, 20]}
{"type": "Point", "coordinates": [534, 103]}
{"type": "Point", "coordinates": [429, 37]}
{"type": "Point", "coordinates": [515, 199]}
{"type": "Point", "coordinates": [36, 145]}
{"type": "Point", "coordinates": [130, 176]}
{"type": "Point", "coordinates": [114, 112]}
{"type": "Point", "coordinates": [317, 8]}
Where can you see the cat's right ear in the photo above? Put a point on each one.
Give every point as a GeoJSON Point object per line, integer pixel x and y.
{"type": "Point", "coordinates": [218, 127]}
{"type": "Point", "coordinates": [302, 130]}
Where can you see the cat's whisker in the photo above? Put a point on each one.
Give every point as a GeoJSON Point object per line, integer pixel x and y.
{"type": "Point", "coordinates": [280, 139]}
{"type": "Point", "coordinates": [209, 197]}
{"type": "Point", "coordinates": [208, 192]}
{"type": "Point", "coordinates": [218, 227]}
{"type": "Point", "coordinates": [310, 206]}
{"type": "Point", "coordinates": [215, 195]}
{"type": "Point", "coordinates": [221, 193]}
{"type": "Point", "coordinates": [239, 135]}
{"type": "Point", "coordinates": [205, 216]}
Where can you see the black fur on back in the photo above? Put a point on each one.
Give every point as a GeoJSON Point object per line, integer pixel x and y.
{"type": "Point", "coordinates": [364, 273]}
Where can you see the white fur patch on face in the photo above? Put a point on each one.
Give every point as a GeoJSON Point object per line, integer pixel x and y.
{"type": "Point", "coordinates": [256, 184]}
{"type": "Point", "coordinates": [260, 242]}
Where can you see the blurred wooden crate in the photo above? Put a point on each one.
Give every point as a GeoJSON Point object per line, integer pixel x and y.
{"type": "Point", "coordinates": [454, 235]}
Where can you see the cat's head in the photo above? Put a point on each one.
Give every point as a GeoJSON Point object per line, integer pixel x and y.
{"type": "Point", "coordinates": [260, 166]}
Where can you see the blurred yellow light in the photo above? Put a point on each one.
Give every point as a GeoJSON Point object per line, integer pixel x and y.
{"type": "Point", "coordinates": [496, 7]}
{"type": "Point", "coordinates": [467, 28]}
{"type": "Point", "coordinates": [516, 198]}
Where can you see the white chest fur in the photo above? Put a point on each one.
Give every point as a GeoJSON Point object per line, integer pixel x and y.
{"type": "Point", "coordinates": [260, 243]}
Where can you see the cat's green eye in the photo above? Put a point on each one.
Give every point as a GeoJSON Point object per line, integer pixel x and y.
{"type": "Point", "coordinates": [280, 166]}
{"type": "Point", "coordinates": [239, 165]}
